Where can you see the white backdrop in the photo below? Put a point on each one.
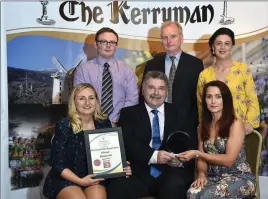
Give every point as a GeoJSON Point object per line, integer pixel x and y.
{"type": "Point", "coordinates": [19, 25]}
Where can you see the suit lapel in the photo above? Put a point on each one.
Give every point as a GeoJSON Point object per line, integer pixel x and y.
{"type": "Point", "coordinates": [144, 121]}
{"type": "Point", "coordinates": [167, 122]}
{"type": "Point", "coordinates": [159, 63]}
{"type": "Point", "coordinates": [181, 64]}
{"type": "Point", "coordinates": [180, 73]}
{"type": "Point", "coordinates": [163, 60]}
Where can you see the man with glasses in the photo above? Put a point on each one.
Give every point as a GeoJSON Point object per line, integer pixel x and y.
{"type": "Point", "coordinates": [115, 82]}
{"type": "Point", "coordinates": [182, 71]}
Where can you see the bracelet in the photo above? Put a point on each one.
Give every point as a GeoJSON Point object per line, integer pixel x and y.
{"type": "Point", "coordinates": [197, 154]}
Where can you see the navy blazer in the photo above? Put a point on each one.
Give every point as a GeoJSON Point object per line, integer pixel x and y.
{"type": "Point", "coordinates": [137, 134]}
{"type": "Point", "coordinates": [67, 151]}
{"type": "Point", "coordinates": [183, 91]}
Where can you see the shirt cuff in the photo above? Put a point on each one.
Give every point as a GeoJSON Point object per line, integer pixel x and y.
{"type": "Point", "coordinates": [114, 117]}
{"type": "Point", "coordinates": [153, 159]}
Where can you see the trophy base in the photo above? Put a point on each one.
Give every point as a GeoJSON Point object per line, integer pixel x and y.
{"type": "Point", "coordinates": [46, 21]}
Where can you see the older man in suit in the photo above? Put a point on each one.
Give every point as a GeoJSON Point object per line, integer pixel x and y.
{"type": "Point", "coordinates": [182, 71]}
{"type": "Point", "coordinates": [146, 127]}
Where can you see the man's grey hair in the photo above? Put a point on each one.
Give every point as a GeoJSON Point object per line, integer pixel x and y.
{"type": "Point", "coordinates": [155, 75]}
{"type": "Point", "coordinates": [168, 23]}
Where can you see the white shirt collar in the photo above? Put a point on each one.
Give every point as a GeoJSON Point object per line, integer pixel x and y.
{"type": "Point", "coordinates": [178, 56]}
{"type": "Point", "coordinates": [160, 108]}
{"type": "Point", "coordinates": [101, 61]}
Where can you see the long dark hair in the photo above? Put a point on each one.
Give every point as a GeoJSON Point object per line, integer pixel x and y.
{"type": "Point", "coordinates": [228, 116]}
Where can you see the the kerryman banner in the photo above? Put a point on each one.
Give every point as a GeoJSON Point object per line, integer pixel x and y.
{"type": "Point", "coordinates": [45, 41]}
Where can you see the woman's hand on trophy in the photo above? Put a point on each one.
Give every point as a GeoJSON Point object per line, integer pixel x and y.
{"type": "Point", "coordinates": [187, 155]}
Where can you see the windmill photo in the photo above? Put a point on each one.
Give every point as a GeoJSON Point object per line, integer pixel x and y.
{"type": "Point", "coordinates": [62, 82]}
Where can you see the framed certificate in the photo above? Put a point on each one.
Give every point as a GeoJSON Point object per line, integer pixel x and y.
{"type": "Point", "coordinates": [105, 152]}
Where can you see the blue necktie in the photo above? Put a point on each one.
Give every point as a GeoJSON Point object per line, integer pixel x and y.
{"type": "Point", "coordinates": [156, 141]}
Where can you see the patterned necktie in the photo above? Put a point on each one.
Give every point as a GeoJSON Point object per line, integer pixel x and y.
{"type": "Point", "coordinates": [107, 91]}
{"type": "Point", "coordinates": [171, 78]}
{"type": "Point", "coordinates": [156, 141]}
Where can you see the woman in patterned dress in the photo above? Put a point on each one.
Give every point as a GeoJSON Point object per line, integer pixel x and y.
{"type": "Point", "coordinates": [222, 169]}
{"type": "Point", "coordinates": [236, 75]}
{"type": "Point", "coordinates": [68, 177]}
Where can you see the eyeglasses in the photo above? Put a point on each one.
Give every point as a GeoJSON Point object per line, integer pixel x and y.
{"type": "Point", "coordinates": [105, 42]}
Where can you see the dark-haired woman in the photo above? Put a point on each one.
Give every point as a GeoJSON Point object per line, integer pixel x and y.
{"type": "Point", "coordinates": [236, 75]}
{"type": "Point", "coordinates": [223, 171]}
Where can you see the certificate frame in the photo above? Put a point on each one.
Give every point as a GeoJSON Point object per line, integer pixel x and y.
{"type": "Point", "coordinates": [102, 145]}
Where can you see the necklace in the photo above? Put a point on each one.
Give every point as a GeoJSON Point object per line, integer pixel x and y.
{"type": "Point", "coordinates": [222, 69]}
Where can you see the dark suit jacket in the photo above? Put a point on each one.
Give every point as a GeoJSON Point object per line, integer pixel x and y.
{"type": "Point", "coordinates": [137, 134]}
{"type": "Point", "coordinates": [183, 90]}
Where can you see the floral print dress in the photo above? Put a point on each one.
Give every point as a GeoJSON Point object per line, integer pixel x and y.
{"type": "Point", "coordinates": [240, 82]}
{"type": "Point", "coordinates": [236, 181]}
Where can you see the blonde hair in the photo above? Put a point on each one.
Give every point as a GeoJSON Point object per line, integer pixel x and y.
{"type": "Point", "coordinates": [168, 23]}
{"type": "Point", "coordinates": [75, 119]}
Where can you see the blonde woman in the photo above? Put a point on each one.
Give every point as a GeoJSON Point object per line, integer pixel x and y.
{"type": "Point", "coordinates": [68, 178]}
